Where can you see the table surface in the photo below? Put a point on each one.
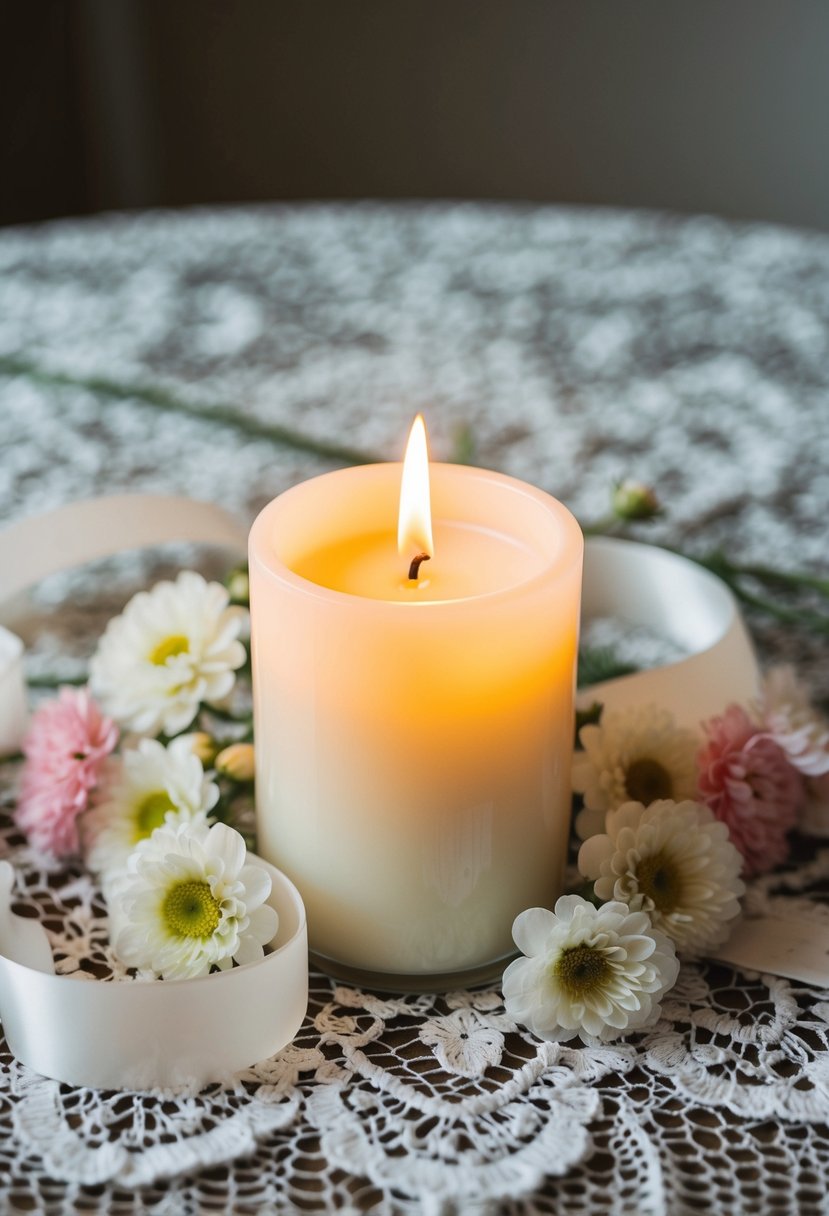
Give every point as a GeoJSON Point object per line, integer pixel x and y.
{"type": "Point", "coordinates": [228, 354]}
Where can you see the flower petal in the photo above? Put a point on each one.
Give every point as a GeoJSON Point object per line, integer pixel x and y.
{"type": "Point", "coordinates": [531, 930]}
{"type": "Point", "coordinates": [227, 845]}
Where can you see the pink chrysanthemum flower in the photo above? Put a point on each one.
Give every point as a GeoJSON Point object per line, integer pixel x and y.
{"type": "Point", "coordinates": [749, 784]}
{"type": "Point", "coordinates": [68, 741]}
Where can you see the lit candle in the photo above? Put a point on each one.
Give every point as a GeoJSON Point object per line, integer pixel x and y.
{"type": "Point", "coordinates": [414, 717]}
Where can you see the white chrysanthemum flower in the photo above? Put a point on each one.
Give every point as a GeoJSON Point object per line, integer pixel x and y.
{"type": "Point", "coordinates": [639, 755]}
{"type": "Point", "coordinates": [673, 861]}
{"type": "Point", "coordinates": [170, 649]}
{"type": "Point", "coordinates": [189, 903]}
{"type": "Point", "coordinates": [597, 973]}
{"type": "Point", "coordinates": [795, 725]}
{"type": "Point", "coordinates": [147, 787]}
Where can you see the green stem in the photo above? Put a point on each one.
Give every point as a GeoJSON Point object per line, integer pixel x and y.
{"type": "Point", "coordinates": [56, 681]}
{"type": "Point", "coordinates": [791, 616]}
{"type": "Point", "coordinates": [226, 415]}
{"type": "Point", "coordinates": [219, 412]}
{"type": "Point", "coordinates": [609, 525]}
{"type": "Point", "coordinates": [224, 715]}
{"type": "Point", "coordinates": [731, 574]}
{"type": "Point", "coordinates": [783, 578]}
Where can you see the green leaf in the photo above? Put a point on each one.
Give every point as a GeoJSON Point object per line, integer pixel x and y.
{"type": "Point", "coordinates": [588, 717]}
{"type": "Point", "coordinates": [599, 663]}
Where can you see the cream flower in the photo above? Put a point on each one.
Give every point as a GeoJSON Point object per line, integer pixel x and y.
{"type": "Point", "coordinates": [597, 973]}
{"type": "Point", "coordinates": [148, 786]}
{"type": "Point", "coordinates": [237, 762]}
{"type": "Point", "coordinates": [673, 861]}
{"type": "Point", "coordinates": [640, 755]}
{"type": "Point", "coordinates": [202, 745]}
{"type": "Point", "coordinates": [169, 650]}
{"type": "Point", "coordinates": [189, 903]}
{"type": "Point", "coordinates": [795, 725]}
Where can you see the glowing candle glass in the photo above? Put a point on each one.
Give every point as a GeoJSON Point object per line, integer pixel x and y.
{"type": "Point", "coordinates": [414, 735]}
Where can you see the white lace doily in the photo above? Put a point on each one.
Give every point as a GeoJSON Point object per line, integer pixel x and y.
{"type": "Point", "coordinates": [441, 1104]}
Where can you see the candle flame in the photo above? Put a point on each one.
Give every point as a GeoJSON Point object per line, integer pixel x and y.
{"type": "Point", "coordinates": [414, 523]}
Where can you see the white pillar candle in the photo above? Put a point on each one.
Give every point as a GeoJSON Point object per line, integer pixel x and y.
{"type": "Point", "coordinates": [413, 737]}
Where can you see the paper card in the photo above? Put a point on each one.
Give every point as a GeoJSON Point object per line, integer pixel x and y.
{"type": "Point", "coordinates": [793, 947]}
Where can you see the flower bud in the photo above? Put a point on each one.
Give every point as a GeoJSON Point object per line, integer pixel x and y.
{"type": "Point", "coordinates": [202, 745]}
{"type": "Point", "coordinates": [238, 586]}
{"type": "Point", "coordinates": [236, 762]}
{"type": "Point", "coordinates": [634, 500]}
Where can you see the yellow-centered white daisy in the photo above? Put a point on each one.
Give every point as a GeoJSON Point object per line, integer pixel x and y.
{"type": "Point", "coordinates": [189, 902]}
{"type": "Point", "coordinates": [638, 755]}
{"type": "Point", "coordinates": [146, 787]}
{"type": "Point", "coordinates": [597, 973]}
{"type": "Point", "coordinates": [171, 649]}
{"type": "Point", "coordinates": [673, 861]}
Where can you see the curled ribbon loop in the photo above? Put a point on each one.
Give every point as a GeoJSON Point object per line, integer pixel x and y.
{"type": "Point", "coordinates": [133, 1035]}
{"type": "Point", "coordinates": [642, 585]}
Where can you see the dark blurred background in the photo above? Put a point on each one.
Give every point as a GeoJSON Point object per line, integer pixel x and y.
{"type": "Point", "coordinates": [705, 106]}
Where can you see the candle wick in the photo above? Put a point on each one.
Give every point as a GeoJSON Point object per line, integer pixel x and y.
{"type": "Point", "coordinates": [414, 568]}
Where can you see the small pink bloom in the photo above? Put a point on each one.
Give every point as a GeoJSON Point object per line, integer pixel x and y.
{"type": "Point", "coordinates": [749, 784]}
{"type": "Point", "coordinates": [793, 722]}
{"type": "Point", "coordinates": [68, 741]}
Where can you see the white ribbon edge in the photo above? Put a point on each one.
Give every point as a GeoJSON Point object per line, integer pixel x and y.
{"type": "Point", "coordinates": [73, 535]}
{"type": "Point", "coordinates": [139, 1036]}
{"type": "Point", "coordinates": [669, 594]}
{"type": "Point", "coordinates": [153, 1021]}
{"type": "Point", "coordinates": [81, 532]}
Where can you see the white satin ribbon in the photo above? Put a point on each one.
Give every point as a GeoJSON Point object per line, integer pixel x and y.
{"type": "Point", "coordinates": [12, 693]}
{"type": "Point", "coordinates": [132, 1035]}
{"type": "Point", "coordinates": [155, 1035]}
{"type": "Point", "coordinates": [100, 527]}
{"type": "Point", "coordinates": [82, 532]}
{"type": "Point", "coordinates": [672, 596]}
{"type": "Point", "coordinates": [639, 584]}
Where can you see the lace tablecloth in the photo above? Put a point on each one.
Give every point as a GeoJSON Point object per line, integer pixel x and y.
{"type": "Point", "coordinates": [571, 348]}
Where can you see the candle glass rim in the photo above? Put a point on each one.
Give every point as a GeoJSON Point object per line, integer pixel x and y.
{"type": "Point", "coordinates": [565, 561]}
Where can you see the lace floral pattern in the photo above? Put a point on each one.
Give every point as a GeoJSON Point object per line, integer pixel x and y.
{"type": "Point", "coordinates": [442, 1104]}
